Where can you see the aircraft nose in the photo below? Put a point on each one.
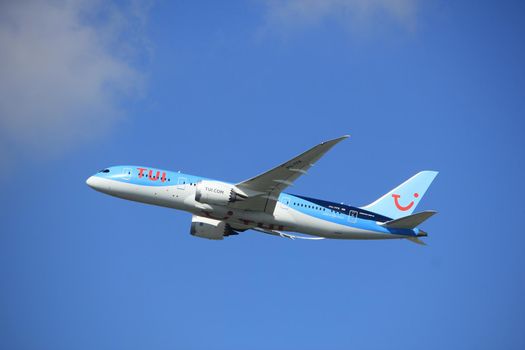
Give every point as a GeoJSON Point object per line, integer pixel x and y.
{"type": "Point", "coordinates": [98, 184]}
{"type": "Point", "coordinates": [91, 182]}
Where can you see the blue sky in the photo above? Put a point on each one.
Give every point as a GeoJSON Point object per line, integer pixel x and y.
{"type": "Point", "coordinates": [227, 90]}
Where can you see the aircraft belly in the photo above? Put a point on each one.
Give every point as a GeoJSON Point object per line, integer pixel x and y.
{"type": "Point", "coordinates": [284, 218]}
{"type": "Point", "coordinates": [166, 196]}
{"type": "Point", "coordinates": [318, 227]}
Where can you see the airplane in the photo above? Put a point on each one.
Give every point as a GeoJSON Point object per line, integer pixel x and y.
{"type": "Point", "coordinates": [221, 209]}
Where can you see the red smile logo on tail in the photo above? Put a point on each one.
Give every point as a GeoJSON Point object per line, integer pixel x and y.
{"type": "Point", "coordinates": [399, 206]}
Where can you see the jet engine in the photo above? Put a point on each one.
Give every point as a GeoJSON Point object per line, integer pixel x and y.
{"type": "Point", "coordinates": [210, 228]}
{"type": "Point", "coordinates": [215, 192]}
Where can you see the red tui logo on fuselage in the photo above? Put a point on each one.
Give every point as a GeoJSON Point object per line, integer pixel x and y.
{"type": "Point", "coordinates": [150, 174]}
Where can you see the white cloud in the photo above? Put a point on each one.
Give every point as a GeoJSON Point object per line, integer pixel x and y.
{"type": "Point", "coordinates": [356, 14]}
{"type": "Point", "coordinates": [64, 71]}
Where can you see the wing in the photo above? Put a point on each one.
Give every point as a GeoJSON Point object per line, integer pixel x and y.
{"type": "Point", "coordinates": [287, 235]}
{"type": "Point", "coordinates": [263, 190]}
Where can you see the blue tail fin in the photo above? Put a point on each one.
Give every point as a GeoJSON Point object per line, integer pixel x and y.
{"type": "Point", "coordinates": [403, 199]}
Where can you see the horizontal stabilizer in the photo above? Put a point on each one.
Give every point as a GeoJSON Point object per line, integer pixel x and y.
{"type": "Point", "coordinates": [410, 221]}
{"type": "Point", "coordinates": [416, 240]}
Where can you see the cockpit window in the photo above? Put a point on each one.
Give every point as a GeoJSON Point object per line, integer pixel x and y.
{"type": "Point", "coordinates": [104, 171]}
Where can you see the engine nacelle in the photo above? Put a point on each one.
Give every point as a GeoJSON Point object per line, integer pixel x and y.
{"type": "Point", "coordinates": [210, 228]}
{"type": "Point", "coordinates": [215, 192]}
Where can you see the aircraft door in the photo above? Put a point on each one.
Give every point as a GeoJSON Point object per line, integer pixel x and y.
{"type": "Point", "coordinates": [181, 182]}
{"type": "Point", "coordinates": [126, 173]}
{"type": "Point", "coordinates": [352, 216]}
{"type": "Point", "coordinates": [286, 202]}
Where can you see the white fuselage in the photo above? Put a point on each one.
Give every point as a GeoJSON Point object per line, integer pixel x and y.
{"type": "Point", "coordinates": [284, 217]}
